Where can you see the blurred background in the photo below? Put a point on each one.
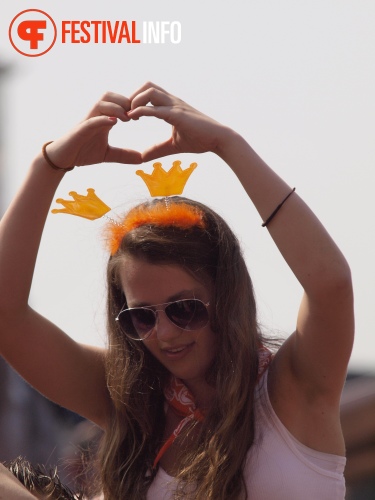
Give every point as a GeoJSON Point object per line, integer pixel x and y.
{"type": "Point", "coordinates": [296, 79]}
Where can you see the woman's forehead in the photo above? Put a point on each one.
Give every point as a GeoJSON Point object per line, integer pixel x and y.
{"type": "Point", "coordinates": [146, 283]}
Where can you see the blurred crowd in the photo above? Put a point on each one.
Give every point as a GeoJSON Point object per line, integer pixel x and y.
{"type": "Point", "coordinates": [358, 423]}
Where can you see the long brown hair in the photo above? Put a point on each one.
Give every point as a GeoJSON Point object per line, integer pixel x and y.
{"type": "Point", "coordinates": [213, 466]}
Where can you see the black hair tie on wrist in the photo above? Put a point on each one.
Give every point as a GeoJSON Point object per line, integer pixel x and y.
{"type": "Point", "coordinates": [277, 208]}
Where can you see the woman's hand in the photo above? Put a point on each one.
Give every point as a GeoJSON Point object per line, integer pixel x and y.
{"type": "Point", "coordinates": [87, 143]}
{"type": "Point", "coordinates": [192, 131]}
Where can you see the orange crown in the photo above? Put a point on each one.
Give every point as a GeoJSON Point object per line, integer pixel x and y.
{"type": "Point", "coordinates": [89, 206]}
{"type": "Point", "coordinates": [163, 183]}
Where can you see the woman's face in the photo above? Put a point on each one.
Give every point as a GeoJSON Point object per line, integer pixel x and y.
{"type": "Point", "coordinates": [186, 354]}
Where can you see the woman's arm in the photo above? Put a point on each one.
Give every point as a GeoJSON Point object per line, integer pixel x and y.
{"type": "Point", "coordinates": [314, 359]}
{"type": "Point", "coordinates": [65, 371]}
{"type": "Point", "coordinates": [318, 352]}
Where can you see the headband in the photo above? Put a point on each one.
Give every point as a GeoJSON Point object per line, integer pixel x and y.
{"type": "Point", "coordinates": [160, 183]}
{"type": "Point", "coordinates": [180, 215]}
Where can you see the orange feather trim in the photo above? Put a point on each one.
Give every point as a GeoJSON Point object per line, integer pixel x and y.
{"type": "Point", "coordinates": [181, 215]}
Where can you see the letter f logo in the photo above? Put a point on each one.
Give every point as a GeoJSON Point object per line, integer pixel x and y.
{"type": "Point", "coordinates": [29, 31]}
{"type": "Point", "coordinates": [32, 32]}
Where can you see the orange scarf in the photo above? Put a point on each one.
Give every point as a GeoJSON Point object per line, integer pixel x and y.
{"type": "Point", "coordinates": [181, 401]}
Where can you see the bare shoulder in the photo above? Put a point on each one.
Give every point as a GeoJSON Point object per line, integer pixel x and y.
{"type": "Point", "coordinates": [311, 417]}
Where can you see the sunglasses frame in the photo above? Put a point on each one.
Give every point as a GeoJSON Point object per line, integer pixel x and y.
{"type": "Point", "coordinates": [155, 311]}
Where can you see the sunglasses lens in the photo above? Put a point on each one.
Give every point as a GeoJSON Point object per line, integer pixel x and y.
{"type": "Point", "coordinates": [189, 314]}
{"type": "Point", "coordinates": [137, 322]}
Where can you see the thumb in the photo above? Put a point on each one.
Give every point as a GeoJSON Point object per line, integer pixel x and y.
{"type": "Point", "coordinates": [99, 121]}
{"type": "Point", "coordinates": [159, 150]}
{"type": "Point", "coordinates": [120, 155]}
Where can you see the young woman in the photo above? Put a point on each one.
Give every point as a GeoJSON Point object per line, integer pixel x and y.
{"type": "Point", "coordinates": [191, 404]}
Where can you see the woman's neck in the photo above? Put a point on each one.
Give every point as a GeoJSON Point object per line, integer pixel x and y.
{"type": "Point", "coordinates": [203, 393]}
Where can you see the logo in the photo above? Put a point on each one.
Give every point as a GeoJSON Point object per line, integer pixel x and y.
{"type": "Point", "coordinates": [32, 32]}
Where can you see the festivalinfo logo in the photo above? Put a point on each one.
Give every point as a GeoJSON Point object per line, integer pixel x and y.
{"type": "Point", "coordinates": [33, 32]}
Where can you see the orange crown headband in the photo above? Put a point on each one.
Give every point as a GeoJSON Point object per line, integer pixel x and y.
{"type": "Point", "coordinates": [180, 215]}
{"type": "Point", "coordinates": [159, 183]}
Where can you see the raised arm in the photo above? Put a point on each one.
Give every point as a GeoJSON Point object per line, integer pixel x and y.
{"type": "Point", "coordinates": [65, 371]}
{"type": "Point", "coordinates": [319, 350]}
{"type": "Point", "coordinates": [311, 365]}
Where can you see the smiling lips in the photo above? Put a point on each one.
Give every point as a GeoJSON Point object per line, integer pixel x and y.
{"type": "Point", "coordinates": [178, 352]}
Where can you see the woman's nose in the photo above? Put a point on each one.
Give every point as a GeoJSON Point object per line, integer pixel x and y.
{"type": "Point", "coordinates": [164, 328]}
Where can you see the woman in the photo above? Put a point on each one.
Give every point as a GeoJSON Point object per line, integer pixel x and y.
{"type": "Point", "coordinates": [251, 431]}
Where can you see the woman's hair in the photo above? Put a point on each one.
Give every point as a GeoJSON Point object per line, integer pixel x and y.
{"type": "Point", "coordinates": [40, 482]}
{"type": "Point", "coordinates": [214, 464]}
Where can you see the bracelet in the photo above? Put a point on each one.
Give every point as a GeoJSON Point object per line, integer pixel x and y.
{"type": "Point", "coordinates": [50, 163]}
{"type": "Point", "coordinates": [277, 208]}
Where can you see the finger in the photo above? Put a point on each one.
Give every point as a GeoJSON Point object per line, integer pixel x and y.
{"type": "Point", "coordinates": [117, 99]}
{"type": "Point", "coordinates": [154, 96]}
{"type": "Point", "coordinates": [163, 112]}
{"type": "Point", "coordinates": [159, 150]}
{"type": "Point", "coordinates": [101, 121]}
{"type": "Point", "coordinates": [97, 122]}
{"type": "Point", "coordinates": [104, 108]}
{"type": "Point", "coordinates": [146, 86]}
{"type": "Point", "coordinates": [119, 155]}
{"type": "Point", "coordinates": [111, 104]}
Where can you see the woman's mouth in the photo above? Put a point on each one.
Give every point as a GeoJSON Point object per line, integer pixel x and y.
{"type": "Point", "coordinates": [178, 352]}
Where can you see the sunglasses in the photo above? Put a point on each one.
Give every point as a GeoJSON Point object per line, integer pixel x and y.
{"type": "Point", "coordinates": [187, 314]}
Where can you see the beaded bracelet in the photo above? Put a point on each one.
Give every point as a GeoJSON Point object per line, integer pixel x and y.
{"type": "Point", "coordinates": [50, 163]}
{"type": "Point", "coordinates": [277, 209]}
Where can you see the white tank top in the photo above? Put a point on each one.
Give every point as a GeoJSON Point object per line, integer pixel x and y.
{"type": "Point", "coordinates": [277, 465]}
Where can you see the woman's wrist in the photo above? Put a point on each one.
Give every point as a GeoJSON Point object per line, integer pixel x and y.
{"type": "Point", "coordinates": [42, 166]}
{"type": "Point", "coordinates": [225, 139]}
{"type": "Point", "coordinates": [46, 161]}
{"type": "Point", "coordinates": [50, 162]}
{"type": "Point", "coordinates": [230, 145]}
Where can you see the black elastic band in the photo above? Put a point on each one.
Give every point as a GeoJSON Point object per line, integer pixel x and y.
{"type": "Point", "coordinates": [277, 208]}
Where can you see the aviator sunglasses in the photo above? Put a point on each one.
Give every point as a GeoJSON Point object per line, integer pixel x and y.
{"type": "Point", "coordinates": [187, 314]}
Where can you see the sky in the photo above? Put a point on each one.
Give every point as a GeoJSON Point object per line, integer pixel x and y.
{"type": "Point", "coordinates": [296, 79]}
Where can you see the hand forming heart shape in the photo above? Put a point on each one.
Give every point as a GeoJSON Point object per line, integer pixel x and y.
{"type": "Point", "coordinates": [87, 143]}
